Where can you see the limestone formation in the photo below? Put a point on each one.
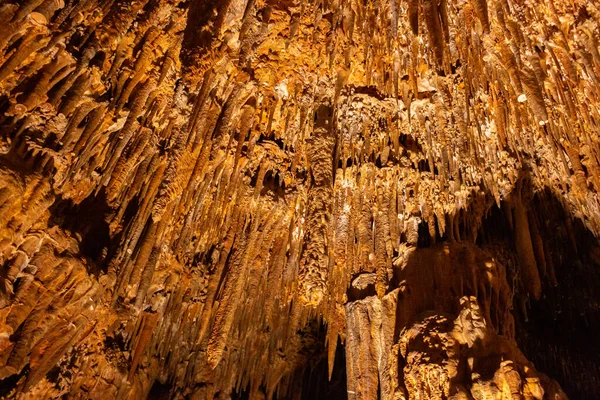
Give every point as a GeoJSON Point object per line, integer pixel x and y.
{"type": "Point", "coordinates": [299, 199]}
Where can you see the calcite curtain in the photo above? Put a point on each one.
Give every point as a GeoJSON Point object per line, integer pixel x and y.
{"type": "Point", "coordinates": [299, 199]}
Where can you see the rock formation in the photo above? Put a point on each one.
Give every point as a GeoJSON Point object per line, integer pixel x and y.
{"type": "Point", "coordinates": [299, 199]}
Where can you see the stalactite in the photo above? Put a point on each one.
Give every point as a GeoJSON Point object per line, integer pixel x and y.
{"type": "Point", "coordinates": [313, 269]}
{"type": "Point", "coordinates": [252, 198]}
{"type": "Point", "coordinates": [525, 250]}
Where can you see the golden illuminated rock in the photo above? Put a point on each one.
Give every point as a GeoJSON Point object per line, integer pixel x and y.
{"type": "Point", "coordinates": [214, 199]}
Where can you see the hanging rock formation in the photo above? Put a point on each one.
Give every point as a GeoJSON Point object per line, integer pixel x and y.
{"type": "Point", "coordinates": [261, 199]}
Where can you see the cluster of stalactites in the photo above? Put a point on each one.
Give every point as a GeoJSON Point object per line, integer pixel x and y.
{"type": "Point", "coordinates": [256, 157]}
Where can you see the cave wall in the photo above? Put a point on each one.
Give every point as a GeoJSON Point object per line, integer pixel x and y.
{"type": "Point", "coordinates": [212, 199]}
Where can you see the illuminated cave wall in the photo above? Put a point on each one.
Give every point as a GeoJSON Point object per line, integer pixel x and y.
{"type": "Point", "coordinates": [296, 199]}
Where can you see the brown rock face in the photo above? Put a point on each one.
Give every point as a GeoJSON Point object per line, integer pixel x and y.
{"type": "Point", "coordinates": [273, 199]}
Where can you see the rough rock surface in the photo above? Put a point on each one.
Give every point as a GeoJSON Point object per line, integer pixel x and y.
{"type": "Point", "coordinates": [299, 199]}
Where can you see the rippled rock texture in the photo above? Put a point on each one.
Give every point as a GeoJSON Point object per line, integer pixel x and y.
{"type": "Point", "coordinates": [299, 199]}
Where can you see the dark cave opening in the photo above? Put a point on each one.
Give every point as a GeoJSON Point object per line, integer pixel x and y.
{"type": "Point", "coordinates": [309, 382]}
{"type": "Point", "coordinates": [557, 332]}
{"type": "Point", "coordinates": [316, 384]}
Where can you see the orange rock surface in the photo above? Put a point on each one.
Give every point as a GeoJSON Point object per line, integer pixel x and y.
{"type": "Point", "coordinates": [299, 199]}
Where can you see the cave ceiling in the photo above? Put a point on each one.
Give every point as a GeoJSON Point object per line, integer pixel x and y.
{"type": "Point", "coordinates": [299, 199]}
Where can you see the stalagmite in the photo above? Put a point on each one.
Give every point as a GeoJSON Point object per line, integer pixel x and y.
{"type": "Point", "coordinates": [363, 347]}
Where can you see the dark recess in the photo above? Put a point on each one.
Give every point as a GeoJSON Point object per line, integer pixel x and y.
{"type": "Point", "coordinates": [317, 386]}
{"type": "Point", "coordinates": [559, 332]}
{"type": "Point", "coordinates": [87, 222]}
